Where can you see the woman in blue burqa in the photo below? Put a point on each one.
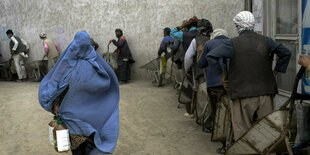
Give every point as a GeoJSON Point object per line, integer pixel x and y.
{"type": "Point", "coordinates": [83, 91]}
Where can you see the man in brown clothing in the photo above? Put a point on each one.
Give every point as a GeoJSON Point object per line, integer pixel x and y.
{"type": "Point", "coordinates": [51, 50]}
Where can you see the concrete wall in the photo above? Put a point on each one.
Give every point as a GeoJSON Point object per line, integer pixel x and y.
{"type": "Point", "coordinates": [141, 20]}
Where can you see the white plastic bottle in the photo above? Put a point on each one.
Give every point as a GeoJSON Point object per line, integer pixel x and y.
{"type": "Point", "coordinates": [51, 127]}
{"type": "Point", "coordinates": [61, 137]}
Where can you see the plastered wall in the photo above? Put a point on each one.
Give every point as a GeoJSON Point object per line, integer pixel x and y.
{"type": "Point", "coordinates": [141, 20]}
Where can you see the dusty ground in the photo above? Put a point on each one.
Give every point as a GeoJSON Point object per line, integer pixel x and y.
{"type": "Point", "coordinates": [150, 123]}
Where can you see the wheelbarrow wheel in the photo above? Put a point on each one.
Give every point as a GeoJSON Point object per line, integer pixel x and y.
{"type": "Point", "coordinates": [158, 78]}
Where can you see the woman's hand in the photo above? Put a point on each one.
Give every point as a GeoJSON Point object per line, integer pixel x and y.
{"type": "Point", "coordinates": [55, 110]}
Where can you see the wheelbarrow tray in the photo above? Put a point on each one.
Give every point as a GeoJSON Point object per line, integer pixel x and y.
{"type": "Point", "coordinates": [111, 59]}
{"type": "Point", "coordinates": [221, 120]}
{"type": "Point", "coordinates": [202, 99]}
{"type": "Point", "coordinates": [7, 68]}
{"type": "Point", "coordinates": [5, 65]}
{"type": "Point", "coordinates": [36, 64]}
{"type": "Point", "coordinates": [262, 135]}
{"type": "Point", "coordinates": [203, 110]}
{"type": "Point", "coordinates": [37, 67]}
{"type": "Point", "coordinates": [152, 65]}
{"type": "Point", "coordinates": [186, 91]}
{"type": "Point", "coordinates": [156, 69]}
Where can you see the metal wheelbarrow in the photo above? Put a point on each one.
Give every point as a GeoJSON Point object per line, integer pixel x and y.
{"type": "Point", "coordinates": [7, 69]}
{"type": "Point", "coordinates": [110, 58]}
{"type": "Point", "coordinates": [157, 69]}
{"type": "Point", "coordinates": [38, 68]}
{"type": "Point", "coordinates": [202, 108]}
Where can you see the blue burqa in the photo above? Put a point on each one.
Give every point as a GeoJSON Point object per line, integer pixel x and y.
{"type": "Point", "coordinates": [91, 103]}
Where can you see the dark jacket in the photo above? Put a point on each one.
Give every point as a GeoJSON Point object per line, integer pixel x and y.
{"type": "Point", "coordinates": [188, 37]}
{"type": "Point", "coordinates": [123, 51]}
{"type": "Point", "coordinates": [20, 48]}
{"type": "Point", "coordinates": [213, 78]}
{"type": "Point", "coordinates": [167, 40]}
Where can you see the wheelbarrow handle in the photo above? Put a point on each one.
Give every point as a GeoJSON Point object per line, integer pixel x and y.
{"type": "Point", "coordinates": [298, 77]}
{"type": "Point", "coordinates": [108, 47]}
{"type": "Point", "coordinates": [301, 72]}
{"type": "Point", "coordinates": [43, 57]}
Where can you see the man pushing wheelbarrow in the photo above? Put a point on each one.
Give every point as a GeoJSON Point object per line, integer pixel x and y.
{"type": "Point", "coordinates": [251, 83]}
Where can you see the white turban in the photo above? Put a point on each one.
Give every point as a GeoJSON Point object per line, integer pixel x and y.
{"type": "Point", "coordinates": [218, 32]}
{"type": "Point", "coordinates": [244, 20]}
{"type": "Point", "coordinates": [43, 35]}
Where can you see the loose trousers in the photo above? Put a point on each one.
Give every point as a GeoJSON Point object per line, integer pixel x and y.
{"type": "Point", "coordinates": [21, 70]}
{"type": "Point", "coordinates": [51, 62]}
{"type": "Point", "coordinates": [247, 111]}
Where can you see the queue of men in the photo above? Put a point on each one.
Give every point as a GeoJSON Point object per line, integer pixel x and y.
{"type": "Point", "coordinates": [240, 67]}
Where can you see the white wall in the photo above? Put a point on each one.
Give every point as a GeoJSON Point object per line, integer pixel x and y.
{"type": "Point", "coordinates": [141, 20]}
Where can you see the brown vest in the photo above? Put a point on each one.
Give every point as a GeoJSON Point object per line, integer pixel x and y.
{"type": "Point", "coordinates": [250, 71]}
{"type": "Point", "coordinates": [52, 51]}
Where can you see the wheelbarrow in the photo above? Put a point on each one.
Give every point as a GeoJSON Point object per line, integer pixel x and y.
{"type": "Point", "coordinates": [273, 133]}
{"type": "Point", "coordinates": [203, 108]}
{"type": "Point", "coordinates": [177, 75]}
{"type": "Point", "coordinates": [7, 69]}
{"type": "Point", "coordinates": [157, 69]}
{"type": "Point", "coordinates": [38, 68]}
{"type": "Point", "coordinates": [110, 58]}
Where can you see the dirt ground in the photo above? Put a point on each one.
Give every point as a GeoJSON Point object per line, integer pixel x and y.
{"type": "Point", "coordinates": [150, 122]}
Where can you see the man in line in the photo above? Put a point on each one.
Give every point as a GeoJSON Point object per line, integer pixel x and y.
{"type": "Point", "coordinates": [165, 43]}
{"type": "Point", "coordinates": [19, 50]}
{"type": "Point", "coordinates": [178, 52]}
{"type": "Point", "coordinates": [204, 31]}
{"type": "Point", "coordinates": [215, 87]}
{"type": "Point", "coordinates": [251, 79]}
{"type": "Point", "coordinates": [51, 50]}
{"type": "Point", "coordinates": [124, 57]}
{"type": "Point", "coordinates": [186, 39]}
{"type": "Point", "coordinates": [214, 84]}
